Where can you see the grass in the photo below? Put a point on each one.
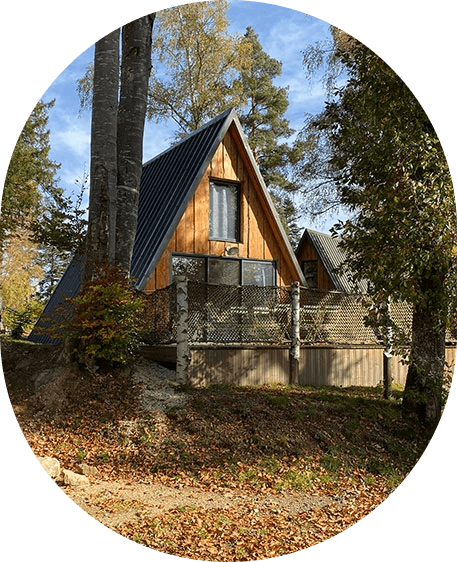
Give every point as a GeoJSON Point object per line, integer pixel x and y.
{"type": "Point", "coordinates": [355, 430]}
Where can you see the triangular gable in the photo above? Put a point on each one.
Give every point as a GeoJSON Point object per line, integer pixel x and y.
{"type": "Point", "coordinates": [269, 208]}
{"type": "Point", "coordinates": [169, 182]}
{"type": "Point", "coordinates": [332, 257]}
{"type": "Point", "coordinates": [167, 185]}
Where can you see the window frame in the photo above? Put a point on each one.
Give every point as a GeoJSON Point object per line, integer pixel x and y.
{"type": "Point", "coordinates": [269, 262]}
{"type": "Point", "coordinates": [237, 187]}
{"type": "Point", "coordinates": [315, 263]}
{"type": "Point", "coordinates": [208, 257]}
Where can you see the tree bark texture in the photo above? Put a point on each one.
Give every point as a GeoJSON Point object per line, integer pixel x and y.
{"type": "Point", "coordinates": [183, 356]}
{"type": "Point", "coordinates": [135, 72]}
{"type": "Point", "coordinates": [294, 353]}
{"type": "Point", "coordinates": [103, 167]}
{"type": "Point", "coordinates": [423, 389]}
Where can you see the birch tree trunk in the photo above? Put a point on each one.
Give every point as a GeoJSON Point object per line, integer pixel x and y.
{"type": "Point", "coordinates": [294, 353]}
{"type": "Point", "coordinates": [135, 72]}
{"type": "Point", "coordinates": [103, 166]}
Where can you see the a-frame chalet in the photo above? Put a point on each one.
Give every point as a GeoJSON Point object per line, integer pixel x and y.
{"type": "Point", "coordinates": [205, 212]}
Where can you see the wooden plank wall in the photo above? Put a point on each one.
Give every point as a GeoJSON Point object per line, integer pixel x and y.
{"type": "Point", "coordinates": [323, 365]}
{"type": "Point", "coordinates": [259, 238]}
{"type": "Point", "coordinates": [239, 366]}
{"type": "Point", "coordinates": [399, 370]}
{"type": "Point", "coordinates": [308, 252]}
{"type": "Point", "coordinates": [341, 366]}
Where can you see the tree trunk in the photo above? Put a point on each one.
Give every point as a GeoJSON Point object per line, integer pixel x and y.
{"type": "Point", "coordinates": [103, 167]}
{"type": "Point", "coordinates": [423, 390]}
{"type": "Point", "coordinates": [294, 353]}
{"type": "Point", "coordinates": [183, 356]}
{"type": "Point", "coordinates": [135, 72]}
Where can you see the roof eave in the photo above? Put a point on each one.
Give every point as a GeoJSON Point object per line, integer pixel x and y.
{"type": "Point", "coordinates": [274, 213]}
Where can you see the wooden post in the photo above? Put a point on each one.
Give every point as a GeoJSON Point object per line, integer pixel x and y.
{"type": "Point", "coordinates": [182, 342]}
{"type": "Point", "coordinates": [387, 371]}
{"type": "Point", "coordinates": [294, 354]}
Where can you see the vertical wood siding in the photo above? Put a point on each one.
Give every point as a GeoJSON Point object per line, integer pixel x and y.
{"type": "Point", "coordinates": [399, 370]}
{"type": "Point", "coordinates": [239, 366]}
{"type": "Point", "coordinates": [259, 238]}
{"type": "Point", "coordinates": [341, 366]}
{"type": "Point", "coordinates": [319, 366]}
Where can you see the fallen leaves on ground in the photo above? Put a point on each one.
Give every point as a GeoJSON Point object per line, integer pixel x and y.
{"type": "Point", "coordinates": [262, 471]}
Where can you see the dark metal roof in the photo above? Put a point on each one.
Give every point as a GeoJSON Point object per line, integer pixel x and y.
{"type": "Point", "coordinates": [332, 257]}
{"type": "Point", "coordinates": [167, 186]}
{"type": "Point", "coordinates": [168, 182]}
{"type": "Point", "coordinates": [57, 307]}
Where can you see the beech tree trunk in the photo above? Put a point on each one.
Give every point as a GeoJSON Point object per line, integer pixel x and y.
{"type": "Point", "coordinates": [424, 382]}
{"type": "Point", "coordinates": [135, 72]}
{"type": "Point", "coordinates": [103, 166]}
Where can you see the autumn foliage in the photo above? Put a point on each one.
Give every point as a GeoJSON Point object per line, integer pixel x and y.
{"type": "Point", "coordinates": [106, 323]}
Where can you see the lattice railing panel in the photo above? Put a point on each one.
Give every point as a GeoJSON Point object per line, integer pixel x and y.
{"type": "Point", "coordinates": [238, 314]}
{"type": "Point", "coordinates": [251, 314]}
{"type": "Point", "coordinates": [160, 315]}
{"type": "Point", "coordinates": [333, 317]}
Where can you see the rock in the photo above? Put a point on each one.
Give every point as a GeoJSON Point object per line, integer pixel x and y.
{"type": "Point", "coordinates": [53, 387]}
{"type": "Point", "coordinates": [46, 377]}
{"type": "Point", "coordinates": [72, 479]}
{"type": "Point", "coordinates": [51, 465]}
{"type": "Point", "coordinates": [87, 470]}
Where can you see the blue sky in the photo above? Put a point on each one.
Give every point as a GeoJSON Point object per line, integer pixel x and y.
{"type": "Point", "coordinates": [283, 33]}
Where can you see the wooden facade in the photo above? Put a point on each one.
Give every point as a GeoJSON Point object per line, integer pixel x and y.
{"type": "Point", "coordinates": [307, 253]}
{"type": "Point", "coordinates": [259, 236]}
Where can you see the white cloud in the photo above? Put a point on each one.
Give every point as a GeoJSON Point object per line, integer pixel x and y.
{"type": "Point", "coordinates": [75, 137]}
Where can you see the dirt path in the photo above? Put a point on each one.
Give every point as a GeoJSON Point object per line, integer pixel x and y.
{"type": "Point", "coordinates": [113, 503]}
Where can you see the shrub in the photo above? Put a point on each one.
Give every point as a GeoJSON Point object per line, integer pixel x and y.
{"type": "Point", "coordinates": [21, 319]}
{"type": "Point", "coordinates": [106, 324]}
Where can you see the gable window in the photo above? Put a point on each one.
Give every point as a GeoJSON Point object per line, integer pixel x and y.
{"type": "Point", "coordinates": [224, 211]}
{"type": "Point", "coordinates": [310, 273]}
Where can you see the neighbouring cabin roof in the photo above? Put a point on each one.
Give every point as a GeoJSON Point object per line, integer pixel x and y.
{"type": "Point", "coordinates": [168, 183]}
{"type": "Point", "coordinates": [332, 257]}
{"type": "Point", "coordinates": [56, 308]}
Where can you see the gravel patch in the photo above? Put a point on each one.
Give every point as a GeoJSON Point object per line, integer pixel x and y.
{"type": "Point", "coordinates": [158, 387]}
{"type": "Point", "coordinates": [114, 503]}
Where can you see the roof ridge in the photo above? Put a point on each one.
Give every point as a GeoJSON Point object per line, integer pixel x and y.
{"type": "Point", "coordinates": [322, 233]}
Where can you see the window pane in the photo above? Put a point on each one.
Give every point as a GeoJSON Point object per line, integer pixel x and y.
{"type": "Point", "coordinates": [259, 273]}
{"type": "Point", "coordinates": [310, 272]}
{"type": "Point", "coordinates": [192, 268]}
{"type": "Point", "coordinates": [224, 272]}
{"type": "Point", "coordinates": [223, 216]}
